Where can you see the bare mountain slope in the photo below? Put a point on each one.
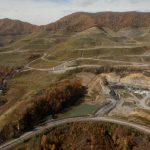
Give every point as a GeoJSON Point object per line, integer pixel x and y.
{"type": "Point", "coordinates": [80, 21]}
{"type": "Point", "coordinates": [113, 20]}
{"type": "Point", "coordinates": [104, 26]}
{"type": "Point", "coordinates": [15, 27]}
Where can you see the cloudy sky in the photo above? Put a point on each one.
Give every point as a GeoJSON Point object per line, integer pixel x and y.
{"type": "Point", "coordinates": [46, 11]}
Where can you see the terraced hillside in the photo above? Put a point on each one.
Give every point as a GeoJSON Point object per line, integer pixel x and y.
{"type": "Point", "coordinates": [107, 53]}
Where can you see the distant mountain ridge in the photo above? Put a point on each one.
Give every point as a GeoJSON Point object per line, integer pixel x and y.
{"type": "Point", "coordinates": [114, 20]}
{"type": "Point", "coordinates": [15, 27]}
{"type": "Point", "coordinates": [80, 21]}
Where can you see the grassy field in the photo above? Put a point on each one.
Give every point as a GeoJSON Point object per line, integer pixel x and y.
{"type": "Point", "coordinates": [80, 110]}
{"type": "Point", "coordinates": [44, 64]}
{"type": "Point", "coordinates": [21, 89]}
{"type": "Point", "coordinates": [13, 59]}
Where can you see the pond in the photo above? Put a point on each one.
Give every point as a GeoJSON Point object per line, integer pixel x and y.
{"type": "Point", "coordinates": [80, 110]}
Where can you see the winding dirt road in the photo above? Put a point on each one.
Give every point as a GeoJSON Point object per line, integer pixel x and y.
{"type": "Point", "coordinates": [67, 65]}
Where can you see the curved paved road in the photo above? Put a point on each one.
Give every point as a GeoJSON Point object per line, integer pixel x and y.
{"type": "Point", "coordinates": [50, 124]}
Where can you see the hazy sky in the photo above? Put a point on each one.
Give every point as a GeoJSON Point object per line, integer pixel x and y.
{"type": "Point", "coordinates": [46, 11]}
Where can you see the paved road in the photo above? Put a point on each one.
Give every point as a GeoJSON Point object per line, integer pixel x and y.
{"type": "Point", "coordinates": [50, 124]}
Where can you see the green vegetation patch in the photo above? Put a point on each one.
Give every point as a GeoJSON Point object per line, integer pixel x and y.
{"type": "Point", "coordinates": [44, 64]}
{"type": "Point", "coordinates": [64, 55]}
{"type": "Point", "coordinates": [13, 59]}
{"type": "Point", "coordinates": [80, 110]}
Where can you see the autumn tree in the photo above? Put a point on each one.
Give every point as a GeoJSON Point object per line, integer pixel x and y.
{"type": "Point", "coordinates": [52, 101]}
